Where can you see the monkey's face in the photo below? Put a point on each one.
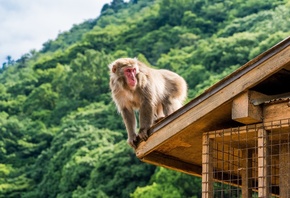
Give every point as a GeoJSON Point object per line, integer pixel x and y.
{"type": "Point", "coordinates": [125, 69]}
{"type": "Point", "coordinates": [130, 75]}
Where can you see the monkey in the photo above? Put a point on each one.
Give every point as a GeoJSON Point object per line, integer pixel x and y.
{"type": "Point", "coordinates": [154, 93]}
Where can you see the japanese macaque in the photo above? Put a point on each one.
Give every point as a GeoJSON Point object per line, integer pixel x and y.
{"type": "Point", "coordinates": [154, 93]}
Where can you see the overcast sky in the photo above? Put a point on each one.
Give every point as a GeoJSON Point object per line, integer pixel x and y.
{"type": "Point", "coordinates": [27, 24]}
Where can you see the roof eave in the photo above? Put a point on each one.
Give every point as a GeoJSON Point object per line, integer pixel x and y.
{"type": "Point", "coordinates": [219, 94]}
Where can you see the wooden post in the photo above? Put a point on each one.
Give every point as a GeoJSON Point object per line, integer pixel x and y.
{"type": "Point", "coordinates": [284, 171]}
{"type": "Point", "coordinates": [263, 164]}
{"type": "Point", "coordinates": [244, 111]}
{"type": "Point", "coordinates": [246, 173]}
{"type": "Point", "coordinates": [207, 167]}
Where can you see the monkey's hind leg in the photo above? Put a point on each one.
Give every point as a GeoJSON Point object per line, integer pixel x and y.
{"type": "Point", "coordinates": [159, 114]}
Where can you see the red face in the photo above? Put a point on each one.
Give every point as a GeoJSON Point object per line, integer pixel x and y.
{"type": "Point", "coordinates": [130, 73]}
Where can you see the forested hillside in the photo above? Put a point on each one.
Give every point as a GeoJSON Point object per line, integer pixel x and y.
{"type": "Point", "coordinates": [60, 133]}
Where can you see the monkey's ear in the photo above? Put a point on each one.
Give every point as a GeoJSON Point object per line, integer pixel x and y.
{"type": "Point", "coordinates": [114, 68]}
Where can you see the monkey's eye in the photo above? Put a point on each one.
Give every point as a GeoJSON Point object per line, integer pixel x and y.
{"type": "Point", "coordinates": [129, 70]}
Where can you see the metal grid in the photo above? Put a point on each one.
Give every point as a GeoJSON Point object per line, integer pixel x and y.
{"type": "Point", "coordinates": [248, 161]}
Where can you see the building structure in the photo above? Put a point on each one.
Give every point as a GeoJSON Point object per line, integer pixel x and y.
{"type": "Point", "coordinates": [236, 135]}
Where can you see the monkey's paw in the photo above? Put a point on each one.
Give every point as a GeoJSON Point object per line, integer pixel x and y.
{"type": "Point", "coordinates": [143, 134]}
{"type": "Point", "coordinates": [132, 141]}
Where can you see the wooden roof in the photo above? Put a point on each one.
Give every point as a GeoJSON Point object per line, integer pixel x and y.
{"type": "Point", "coordinates": [176, 141]}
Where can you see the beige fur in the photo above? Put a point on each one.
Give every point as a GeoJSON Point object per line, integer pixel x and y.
{"type": "Point", "coordinates": [158, 93]}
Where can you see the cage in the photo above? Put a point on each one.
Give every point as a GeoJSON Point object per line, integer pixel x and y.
{"type": "Point", "coordinates": [248, 161]}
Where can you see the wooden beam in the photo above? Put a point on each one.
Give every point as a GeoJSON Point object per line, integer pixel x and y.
{"type": "Point", "coordinates": [263, 164]}
{"type": "Point", "coordinates": [249, 130]}
{"type": "Point", "coordinates": [166, 161]}
{"type": "Point", "coordinates": [244, 111]}
{"type": "Point", "coordinates": [276, 111]}
{"type": "Point", "coordinates": [284, 170]}
{"type": "Point", "coordinates": [246, 173]}
{"type": "Point", "coordinates": [267, 98]}
{"type": "Point", "coordinates": [207, 167]}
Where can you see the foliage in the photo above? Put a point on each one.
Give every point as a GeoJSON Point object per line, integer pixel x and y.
{"type": "Point", "coordinates": [60, 133]}
{"type": "Point", "coordinates": [166, 183]}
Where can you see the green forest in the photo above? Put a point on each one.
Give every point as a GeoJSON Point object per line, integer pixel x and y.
{"type": "Point", "coordinates": [60, 133]}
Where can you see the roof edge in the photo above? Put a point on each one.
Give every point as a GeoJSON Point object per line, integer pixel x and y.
{"type": "Point", "coordinates": [224, 82]}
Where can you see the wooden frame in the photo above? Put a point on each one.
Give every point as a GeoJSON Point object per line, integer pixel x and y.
{"type": "Point", "coordinates": [252, 139]}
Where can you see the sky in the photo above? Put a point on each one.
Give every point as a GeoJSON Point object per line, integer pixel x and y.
{"type": "Point", "coordinates": [27, 24]}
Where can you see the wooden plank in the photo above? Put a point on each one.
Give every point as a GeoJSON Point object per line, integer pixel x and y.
{"type": "Point", "coordinates": [170, 162]}
{"type": "Point", "coordinates": [287, 67]}
{"type": "Point", "coordinates": [263, 164]}
{"type": "Point", "coordinates": [267, 98]}
{"type": "Point", "coordinates": [246, 173]}
{"type": "Point", "coordinates": [276, 111]}
{"type": "Point", "coordinates": [191, 114]}
{"type": "Point", "coordinates": [244, 111]}
{"type": "Point", "coordinates": [249, 130]}
{"type": "Point", "coordinates": [284, 170]}
{"type": "Point", "coordinates": [207, 167]}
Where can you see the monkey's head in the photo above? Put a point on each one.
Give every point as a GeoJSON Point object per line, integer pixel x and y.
{"type": "Point", "coordinates": [125, 69]}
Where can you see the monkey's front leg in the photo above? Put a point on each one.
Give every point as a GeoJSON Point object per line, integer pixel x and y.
{"type": "Point", "coordinates": [146, 116]}
{"type": "Point", "coordinates": [130, 123]}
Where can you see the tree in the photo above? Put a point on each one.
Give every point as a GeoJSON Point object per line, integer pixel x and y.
{"type": "Point", "coordinates": [168, 183]}
{"type": "Point", "coordinates": [60, 133]}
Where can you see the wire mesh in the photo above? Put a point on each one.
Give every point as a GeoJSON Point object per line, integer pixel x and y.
{"type": "Point", "coordinates": [248, 161]}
